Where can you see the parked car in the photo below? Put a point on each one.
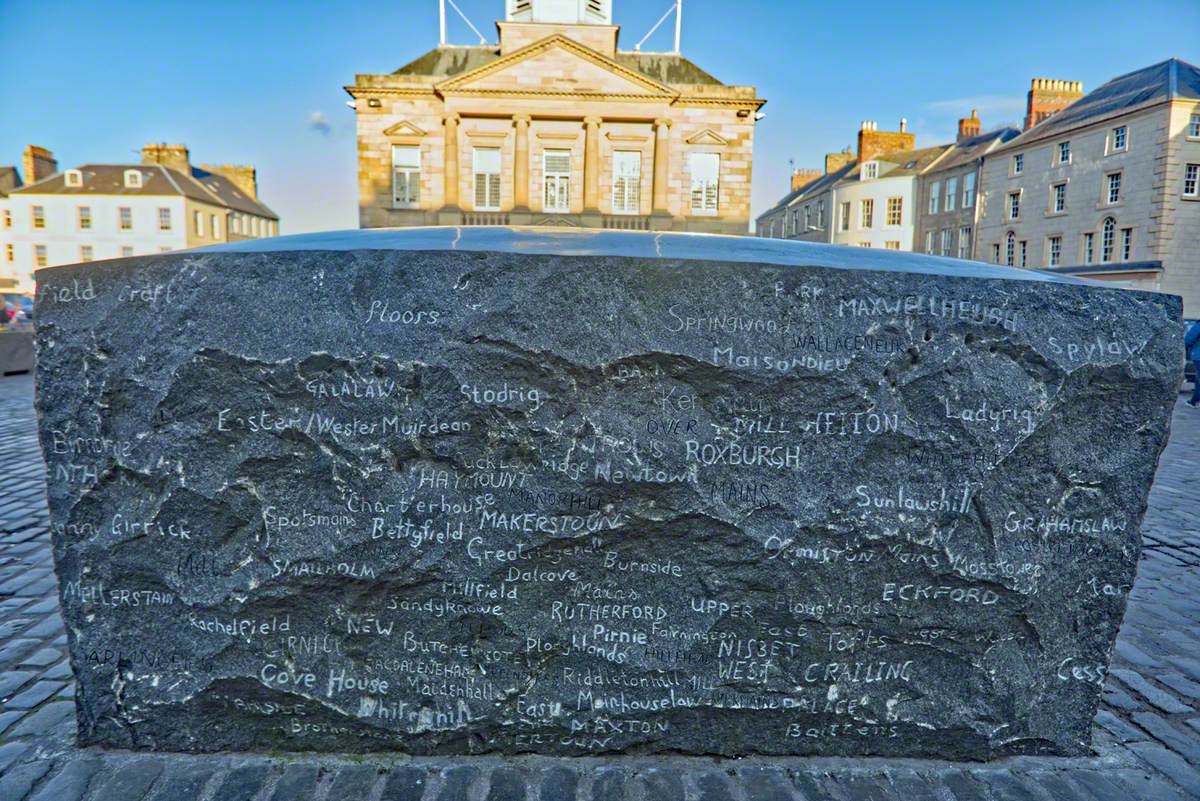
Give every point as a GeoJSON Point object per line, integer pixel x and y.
{"type": "Point", "coordinates": [16, 311]}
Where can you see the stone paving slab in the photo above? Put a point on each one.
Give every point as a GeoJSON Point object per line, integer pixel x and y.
{"type": "Point", "coordinates": [1146, 735]}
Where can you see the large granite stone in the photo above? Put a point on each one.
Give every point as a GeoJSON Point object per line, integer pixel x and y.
{"type": "Point", "coordinates": [463, 491]}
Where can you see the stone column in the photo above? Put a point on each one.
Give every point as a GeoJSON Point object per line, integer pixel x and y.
{"type": "Point", "coordinates": [662, 132]}
{"type": "Point", "coordinates": [591, 166]}
{"type": "Point", "coordinates": [521, 164]}
{"type": "Point", "coordinates": [450, 196]}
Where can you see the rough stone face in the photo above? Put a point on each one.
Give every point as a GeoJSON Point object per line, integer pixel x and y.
{"type": "Point", "coordinates": [462, 491]}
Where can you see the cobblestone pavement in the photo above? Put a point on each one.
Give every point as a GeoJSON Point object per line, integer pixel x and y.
{"type": "Point", "coordinates": [1147, 733]}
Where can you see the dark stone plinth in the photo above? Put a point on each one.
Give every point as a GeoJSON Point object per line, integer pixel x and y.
{"type": "Point", "coordinates": [467, 491]}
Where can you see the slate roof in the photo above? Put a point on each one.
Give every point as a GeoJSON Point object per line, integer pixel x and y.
{"type": "Point", "coordinates": [451, 60]}
{"type": "Point", "coordinates": [109, 179]}
{"type": "Point", "coordinates": [811, 188]}
{"type": "Point", "coordinates": [971, 149]}
{"type": "Point", "coordinates": [1167, 80]}
{"type": "Point", "coordinates": [10, 179]}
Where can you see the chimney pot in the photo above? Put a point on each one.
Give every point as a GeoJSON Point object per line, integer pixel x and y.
{"type": "Point", "coordinates": [903, 124]}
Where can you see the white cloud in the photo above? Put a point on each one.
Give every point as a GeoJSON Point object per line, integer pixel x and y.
{"type": "Point", "coordinates": [986, 105]}
{"type": "Point", "coordinates": [318, 122]}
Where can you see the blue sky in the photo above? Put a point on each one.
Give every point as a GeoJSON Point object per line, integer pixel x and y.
{"type": "Point", "coordinates": [244, 81]}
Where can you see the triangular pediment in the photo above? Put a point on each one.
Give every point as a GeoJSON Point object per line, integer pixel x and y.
{"type": "Point", "coordinates": [556, 65]}
{"type": "Point", "coordinates": [403, 128]}
{"type": "Point", "coordinates": [707, 137]}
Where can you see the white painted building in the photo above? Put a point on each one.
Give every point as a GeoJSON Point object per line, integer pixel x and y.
{"type": "Point", "coordinates": [110, 211]}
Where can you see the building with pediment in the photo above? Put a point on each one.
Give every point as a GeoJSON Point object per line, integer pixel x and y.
{"type": "Point", "coordinates": [554, 126]}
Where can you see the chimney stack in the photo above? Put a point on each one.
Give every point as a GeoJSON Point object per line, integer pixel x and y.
{"type": "Point", "coordinates": [173, 156]}
{"type": "Point", "coordinates": [38, 163]}
{"type": "Point", "coordinates": [1047, 96]}
{"type": "Point", "coordinates": [243, 176]}
{"type": "Point", "coordinates": [969, 127]}
{"type": "Point", "coordinates": [803, 177]}
{"type": "Point", "coordinates": [835, 161]}
{"type": "Point", "coordinates": [873, 142]}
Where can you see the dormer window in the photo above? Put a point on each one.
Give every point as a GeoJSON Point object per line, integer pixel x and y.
{"type": "Point", "coordinates": [133, 179]}
{"type": "Point", "coordinates": [73, 178]}
{"type": "Point", "coordinates": [870, 170]}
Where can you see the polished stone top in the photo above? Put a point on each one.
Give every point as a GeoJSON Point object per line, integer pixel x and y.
{"type": "Point", "coordinates": [637, 244]}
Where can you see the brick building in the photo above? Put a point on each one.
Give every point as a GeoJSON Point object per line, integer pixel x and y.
{"type": "Point", "coordinates": [1108, 187]}
{"type": "Point", "coordinates": [555, 125]}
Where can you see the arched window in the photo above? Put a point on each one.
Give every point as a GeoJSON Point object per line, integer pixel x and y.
{"type": "Point", "coordinates": [1010, 245]}
{"type": "Point", "coordinates": [1107, 234]}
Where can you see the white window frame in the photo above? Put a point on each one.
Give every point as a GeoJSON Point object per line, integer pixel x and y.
{"type": "Point", "coordinates": [1121, 131]}
{"type": "Point", "coordinates": [627, 181]}
{"type": "Point", "coordinates": [485, 182]}
{"type": "Point", "coordinates": [1056, 196]}
{"type": "Point", "coordinates": [935, 190]}
{"type": "Point", "coordinates": [951, 193]}
{"type": "Point", "coordinates": [73, 178]}
{"type": "Point", "coordinates": [124, 214]}
{"type": "Point", "coordinates": [406, 176]}
{"type": "Point", "coordinates": [1112, 188]}
{"type": "Point", "coordinates": [844, 208]}
{"type": "Point", "coordinates": [929, 241]}
{"type": "Point", "coordinates": [887, 219]}
{"type": "Point", "coordinates": [37, 217]}
{"type": "Point", "coordinates": [1126, 244]}
{"type": "Point", "coordinates": [964, 242]}
{"type": "Point", "coordinates": [1193, 131]}
{"type": "Point", "coordinates": [41, 256]}
{"type": "Point", "coordinates": [969, 190]}
{"type": "Point", "coordinates": [133, 179]}
{"type": "Point", "coordinates": [1191, 174]}
{"type": "Point", "coordinates": [1053, 251]}
{"type": "Point", "coordinates": [1014, 205]}
{"type": "Point", "coordinates": [164, 218]}
{"type": "Point", "coordinates": [1018, 163]}
{"type": "Point", "coordinates": [83, 218]}
{"type": "Point", "coordinates": [214, 226]}
{"type": "Point", "coordinates": [947, 241]}
{"type": "Point", "coordinates": [556, 180]}
{"type": "Point", "coordinates": [86, 253]}
{"type": "Point", "coordinates": [704, 171]}
{"type": "Point", "coordinates": [1089, 247]}
{"type": "Point", "coordinates": [126, 251]}
{"type": "Point", "coordinates": [1060, 149]}
{"type": "Point", "coordinates": [1010, 248]}
{"type": "Point", "coordinates": [866, 213]}
{"type": "Point", "coordinates": [870, 170]}
{"type": "Point", "coordinates": [1108, 240]}
{"type": "Point", "coordinates": [198, 222]}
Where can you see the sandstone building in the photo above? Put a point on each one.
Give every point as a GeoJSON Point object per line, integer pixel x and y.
{"type": "Point", "coordinates": [948, 191]}
{"type": "Point", "coordinates": [554, 126]}
{"type": "Point", "coordinates": [1108, 187]}
{"type": "Point", "coordinates": [108, 211]}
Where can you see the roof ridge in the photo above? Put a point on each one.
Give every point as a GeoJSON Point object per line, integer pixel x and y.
{"type": "Point", "coordinates": [167, 175]}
